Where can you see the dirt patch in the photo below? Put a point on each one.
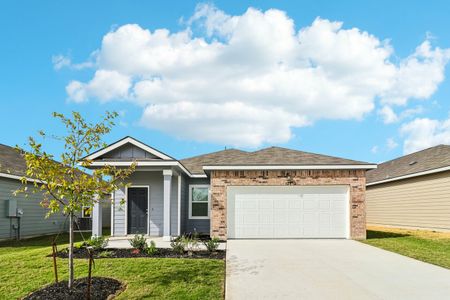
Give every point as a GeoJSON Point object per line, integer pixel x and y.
{"type": "Point", "coordinates": [102, 288]}
{"type": "Point", "coordinates": [420, 233]}
{"type": "Point", "coordinates": [131, 253]}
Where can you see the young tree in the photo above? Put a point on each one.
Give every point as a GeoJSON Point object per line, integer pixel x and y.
{"type": "Point", "coordinates": [66, 188]}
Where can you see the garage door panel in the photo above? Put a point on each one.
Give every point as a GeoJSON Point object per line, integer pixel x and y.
{"type": "Point", "coordinates": [300, 212]}
{"type": "Point", "coordinates": [310, 204]}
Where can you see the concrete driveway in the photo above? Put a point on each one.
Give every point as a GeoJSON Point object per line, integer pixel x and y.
{"type": "Point", "coordinates": [328, 269]}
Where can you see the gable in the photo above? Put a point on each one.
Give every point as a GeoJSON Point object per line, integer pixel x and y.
{"type": "Point", "coordinates": [128, 148]}
{"type": "Point", "coordinates": [129, 151]}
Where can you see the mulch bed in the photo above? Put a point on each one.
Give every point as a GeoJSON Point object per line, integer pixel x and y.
{"type": "Point", "coordinates": [102, 288]}
{"type": "Point", "coordinates": [130, 253]}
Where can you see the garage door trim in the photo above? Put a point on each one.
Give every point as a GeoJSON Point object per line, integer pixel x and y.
{"type": "Point", "coordinates": [232, 191]}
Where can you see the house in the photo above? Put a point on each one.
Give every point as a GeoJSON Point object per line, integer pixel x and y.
{"type": "Point", "coordinates": [270, 193]}
{"type": "Point", "coordinates": [22, 216]}
{"type": "Point", "coordinates": [412, 191]}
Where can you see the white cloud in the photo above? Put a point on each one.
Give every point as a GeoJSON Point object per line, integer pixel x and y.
{"type": "Point", "coordinates": [106, 85]}
{"type": "Point", "coordinates": [423, 133]}
{"type": "Point", "coordinates": [374, 149]}
{"type": "Point", "coordinates": [388, 115]}
{"type": "Point", "coordinates": [254, 63]}
{"type": "Point", "coordinates": [419, 75]}
{"type": "Point", "coordinates": [61, 61]}
{"type": "Point", "coordinates": [391, 144]}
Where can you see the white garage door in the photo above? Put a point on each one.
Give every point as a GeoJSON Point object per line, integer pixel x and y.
{"type": "Point", "coordinates": [288, 212]}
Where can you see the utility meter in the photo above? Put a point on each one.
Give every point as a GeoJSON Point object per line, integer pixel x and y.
{"type": "Point", "coordinates": [19, 212]}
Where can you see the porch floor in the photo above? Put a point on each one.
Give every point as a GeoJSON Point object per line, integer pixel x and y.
{"type": "Point", "coordinates": [121, 242]}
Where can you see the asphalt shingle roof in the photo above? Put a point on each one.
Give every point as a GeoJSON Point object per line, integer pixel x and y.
{"type": "Point", "coordinates": [11, 161]}
{"type": "Point", "coordinates": [268, 156]}
{"type": "Point", "coordinates": [425, 160]}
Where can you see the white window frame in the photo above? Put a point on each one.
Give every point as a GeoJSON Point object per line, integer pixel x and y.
{"type": "Point", "coordinates": [191, 186]}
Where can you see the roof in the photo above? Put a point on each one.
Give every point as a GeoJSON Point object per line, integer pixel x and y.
{"type": "Point", "coordinates": [411, 165]}
{"type": "Point", "coordinates": [273, 156]}
{"type": "Point", "coordinates": [11, 161]}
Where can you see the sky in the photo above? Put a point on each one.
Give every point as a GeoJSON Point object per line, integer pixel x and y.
{"type": "Point", "coordinates": [366, 81]}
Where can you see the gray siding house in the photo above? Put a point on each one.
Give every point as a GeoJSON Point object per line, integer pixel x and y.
{"type": "Point", "coordinates": [270, 193]}
{"type": "Point", "coordinates": [26, 212]}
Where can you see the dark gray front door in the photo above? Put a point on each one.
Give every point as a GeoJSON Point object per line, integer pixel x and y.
{"type": "Point", "coordinates": [137, 210]}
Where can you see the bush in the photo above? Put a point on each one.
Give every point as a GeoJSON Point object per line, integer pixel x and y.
{"type": "Point", "coordinates": [190, 243]}
{"type": "Point", "coordinates": [97, 242]}
{"type": "Point", "coordinates": [152, 250]}
{"type": "Point", "coordinates": [212, 244]}
{"type": "Point", "coordinates": [177, 245]}
{"type": "Point", "coordinates": [139, 242]}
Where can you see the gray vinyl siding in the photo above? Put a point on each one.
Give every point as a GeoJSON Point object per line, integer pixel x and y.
{"type": "Point", "coordinates": [419, 202]}
{"type": "Point", "coordinates": [129, 151]}
{"type": "Point", "coordinates": [155, 180]}
{"type": "Point", "coordinates": [190, 225]}
{"type": "Point", "coordinates": [33, 221]}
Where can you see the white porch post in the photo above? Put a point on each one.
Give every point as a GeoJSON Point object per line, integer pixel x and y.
{"type": "Point", "coordinates": [97, 219]}
{"type": "Point", "coordinates": [167, 187]}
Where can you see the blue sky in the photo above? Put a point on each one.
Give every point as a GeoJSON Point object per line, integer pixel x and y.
{"type": "Point", "coordinates": [36, 34]}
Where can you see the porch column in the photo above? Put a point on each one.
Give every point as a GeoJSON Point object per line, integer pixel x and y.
{"type": "Point", "coordinates": [167, 187]}
{"type": "Point", "coordinates": [97, 219]}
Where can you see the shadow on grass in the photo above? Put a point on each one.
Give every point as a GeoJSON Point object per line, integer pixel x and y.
{"type": "Point", "coordinates": [47, 240]}
{"type": "Point", "coordinates": [375, 234]}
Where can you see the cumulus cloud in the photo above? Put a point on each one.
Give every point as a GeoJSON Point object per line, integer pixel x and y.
{"type": "Point", "coordinates": [249, 79]}
{"type": "Point", "coordinates": [423, 133]}
{"type": "Point", "coordinates": [106, 85]}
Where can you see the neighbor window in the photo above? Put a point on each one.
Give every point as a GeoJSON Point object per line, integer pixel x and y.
{"type": "Point", "coordinates": [86, 212]}
{"type": "Point", "coordinates": [199, 202]}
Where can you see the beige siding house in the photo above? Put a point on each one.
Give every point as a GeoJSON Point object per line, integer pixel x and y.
{"type": "Point", "coordinates": [412, 191]}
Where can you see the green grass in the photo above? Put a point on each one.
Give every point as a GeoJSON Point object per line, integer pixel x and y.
{"type": "Point", "coordinates": [428, 246]}
{"type": "Point", "coordinates": [24, 268]}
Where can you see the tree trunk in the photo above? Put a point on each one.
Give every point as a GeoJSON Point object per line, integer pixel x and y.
{"type": "Point", "coordinates": [70, 250]}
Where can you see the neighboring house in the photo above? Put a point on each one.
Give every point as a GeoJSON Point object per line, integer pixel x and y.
{"type": "Point", "coordinates": [270, 193]}
{"type": "Point", "coordinates": [411, 191]}
{"type": "Point", "coordinates": [32, 222]}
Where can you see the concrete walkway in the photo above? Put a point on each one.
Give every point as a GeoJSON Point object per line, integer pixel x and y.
{"type": "Point", "coordinates": [328, 269]}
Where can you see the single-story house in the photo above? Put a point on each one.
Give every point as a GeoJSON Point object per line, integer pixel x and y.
{"type": "Point", "coordinates": [22, 216]}
{"type": "Point", "coordinates": [269, 193]}
{"type": "Point", "coordinates": [412, 191]}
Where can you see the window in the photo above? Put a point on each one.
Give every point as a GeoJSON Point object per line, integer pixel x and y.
{"type": "Point", "coordinates": [86, 212]}
{"type": "Point", "coordinates": [198, 202]}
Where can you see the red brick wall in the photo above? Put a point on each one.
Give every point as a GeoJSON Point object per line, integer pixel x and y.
{"type": "Point", "coordinates": [356, 179]}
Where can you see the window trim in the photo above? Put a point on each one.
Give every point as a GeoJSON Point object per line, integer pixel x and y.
{"type": "Point", "coordinates": [191, 186]}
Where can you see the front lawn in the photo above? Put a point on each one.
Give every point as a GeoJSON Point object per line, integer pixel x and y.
{"type": "Point", "coordinates": [428, 246]}
{"type": "Point", "coordinates": [24, 268]}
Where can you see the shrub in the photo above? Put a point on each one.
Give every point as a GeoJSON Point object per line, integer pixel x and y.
{"type": "Point", "coordinates": [139, 242]}
{"type": "Point", "coordinates": [212, 244]}
{"type": "Point", "coordinates": [177, 244]}
{"type": "Point", "coordinates": [190, 243]}
{"type": "Point", "coordinates": [97, 242]}
{"type": "Point", "coordinates": [152, 250]}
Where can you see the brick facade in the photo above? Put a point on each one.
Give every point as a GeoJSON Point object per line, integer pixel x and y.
{"type": "Point", "coordinates": [356, 179]}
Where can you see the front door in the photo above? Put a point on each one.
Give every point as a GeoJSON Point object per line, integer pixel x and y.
{"type": "Point", "coordinates": [137, 210]}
